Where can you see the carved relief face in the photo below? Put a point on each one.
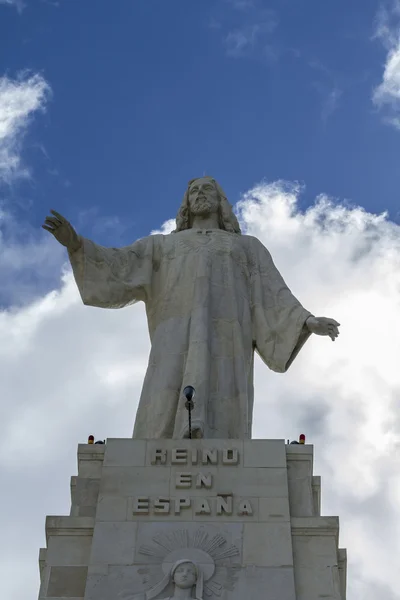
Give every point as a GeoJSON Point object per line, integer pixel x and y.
{"type": "Point", "coordinates": [185, 575]}
{"type": "Point", "coordinates": [203, 198]}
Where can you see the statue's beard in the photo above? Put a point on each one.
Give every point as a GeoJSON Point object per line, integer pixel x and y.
{"type": "Point", "coordinates": [202, 207]}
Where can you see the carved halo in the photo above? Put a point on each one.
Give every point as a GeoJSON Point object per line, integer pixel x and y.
{"type": "Point", "coordinates": [211, 553]}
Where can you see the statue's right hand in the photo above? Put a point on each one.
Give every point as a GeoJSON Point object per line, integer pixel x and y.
{"type": "Point", "coordinates": [62, 231]}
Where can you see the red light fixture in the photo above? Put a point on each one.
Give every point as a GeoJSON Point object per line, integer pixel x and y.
{"type": "Point", "coordinates": [302, 439]}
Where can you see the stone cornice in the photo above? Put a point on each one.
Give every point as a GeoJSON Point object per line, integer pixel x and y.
{"type": "Point", "coordinates": [56, 526]}
{"type": "Point", "coordinates": [315, 526]}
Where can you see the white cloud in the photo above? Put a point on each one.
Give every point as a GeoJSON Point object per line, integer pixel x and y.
{"type": "Point", "coordinates": [68, 371]}
{"type": "Point", "coordinates": [331, 103]}
{"type": "Point", "coordinates": [247, 28]}
{"type": "Point", "coordinates": [19, 5]}
{"type": "Point", "coordinates": [26, 256]}
{"type": "Point", "coordinates": [20, 98]}
{"type": "Point", "coordinates": [253, 36]}
{"type": "Point", "coordinates": [241, 4]}
{"type": "Point", "coordinates": [165, 228]}
{"type": "Point", "coordinates": [386, 96]}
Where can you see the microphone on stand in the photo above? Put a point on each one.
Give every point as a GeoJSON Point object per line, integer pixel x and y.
{"type": "Point", "coordinates": [189, 393]}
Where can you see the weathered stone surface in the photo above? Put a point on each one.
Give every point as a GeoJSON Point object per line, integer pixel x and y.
{"type": "Point", "coordinates": [90, 460]}
{"type": "Point", "coordinates": [299, 470]}
{"type": "Point", "coordinates": [79, 526]}
{"type": "Point", "coordinates": [316, 493]}
{"type": "Point", "coordinates": [274, 509]}
{"type": "Point", "coordinates": [122, 453]}
{"type": "Point", "coordinates": [98, 588]}
{"type": "Point", "coordinates": [112, 508]}
{"type": "Point", "coordinates": [267, 545]}
{"type": "Point", "coordinates": [315, 554]}
{"type": "Point", "coordinates": [273, 583]}
{"type": "Point", "coordinates": [264, 453]}
{"type": "Point", "coordinates": [342, 566]}
{"type": "Point", "coordinates": [131, 481]}
{"type": "Point", "coordinates": [113, 543]}
{"type": "Point", "coordinates": [42, 561]}
{"type": "Point", "coordinates": [67, 582]}
{"type": "Point", "coordinates": [68, 550]}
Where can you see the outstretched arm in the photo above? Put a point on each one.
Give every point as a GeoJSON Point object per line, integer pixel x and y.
{"type": "Point", "coordinates": [106, 277]}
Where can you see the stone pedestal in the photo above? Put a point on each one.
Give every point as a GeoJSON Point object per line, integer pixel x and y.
{"type": "Point", "coordinates": [246, 513]}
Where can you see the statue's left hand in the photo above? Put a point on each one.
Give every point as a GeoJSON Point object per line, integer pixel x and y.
{"type": "Point", "coordinates": [323, 326]}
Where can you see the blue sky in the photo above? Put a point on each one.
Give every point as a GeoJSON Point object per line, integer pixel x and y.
{"type": "Point", "coordinates": [107, 109]}
{"type": "Point", "coordinates": [146, 95]}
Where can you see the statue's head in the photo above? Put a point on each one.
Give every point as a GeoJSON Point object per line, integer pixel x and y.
{"type": "Point", "coordinates": [204, 197]}
{"type": "Point", "coordinates": [184, 574]}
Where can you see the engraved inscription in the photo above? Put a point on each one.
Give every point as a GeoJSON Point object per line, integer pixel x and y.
{"type": "Point", "coordinates": [223, 503]}
{"type": "Point", "coordinates": [195, 456]}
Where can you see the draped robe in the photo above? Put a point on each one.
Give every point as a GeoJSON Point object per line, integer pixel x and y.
{"type": "Point", "coordinates": [212, 298]}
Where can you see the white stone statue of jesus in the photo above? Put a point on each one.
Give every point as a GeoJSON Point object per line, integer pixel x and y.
{"type": "Point", "coordinates": [213, 296]}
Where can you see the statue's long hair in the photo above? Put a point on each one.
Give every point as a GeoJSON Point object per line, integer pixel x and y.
{"type": "Point", "coordinates": [226, 217]}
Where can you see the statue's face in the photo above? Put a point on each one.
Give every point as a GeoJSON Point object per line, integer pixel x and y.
{"type": "Point", "coordinates": [185, 575]}
{"type": "Point", "coordinates": [203, 198]}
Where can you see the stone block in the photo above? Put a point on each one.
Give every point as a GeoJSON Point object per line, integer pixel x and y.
{"type": "Point", "coordinates": [97, 587]}
{"type": "Point", "coordinates": [125, 453]}
{"type": "Point", "coordinates": [112, 508]}
{"type": "Point", "coordinates": [267, 545]}
{"type": "Point", "coordinates": [113, 543]}
{"type": "Point", "coordinates": [134, 481]}
{"type": "Point", "coordinates": [271, 583]}
{"type": "Point", "coordinates": [316, 493]}
{"type": "Point", "coordinates": [299, 473]}
{"type": "Point", "coordinates": [264, 453]}
{"type": "Point", "coordinates": [68, 550]}
{"type": "Point", "coordinates": [67, 582]}
{"type": "Point", "coordinates": [90, 459]}
{"type": "Point", "coordinates": [98, 570]}
{"type": "Point", "coordinates": [316, 526]}
{"type": "Point", "coordinates": [312, 582]}
{"type": "Point", "coordinates": [73, 489]}
{"type": "Point", "coordinates": [87, 491]}
{"type": "Point", "coordinates": [122, 582]}
{"type": "Point", "coordinates": [274, 509]}
{"type": "Point", "coordinates": [342, 565]}
{"type": "Point", "coordinates": [42, 560]}
{"type": "Point", "coordinates": [80, 526]}
{"type": "Point", "coordinates": [299, 450]}
{"type": "Point", "coordinates": [86, 511]}
{"type": "Point", "coordinates": [44, 581]}
{"type": "Point", "coordinates": [316, 558]}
